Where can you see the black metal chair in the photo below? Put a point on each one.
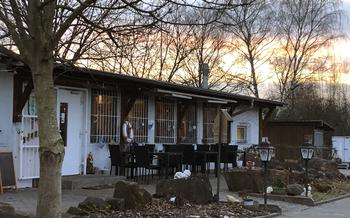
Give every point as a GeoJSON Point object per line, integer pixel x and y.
{"type": "Point", "coordinates": [119, 160]}
{"type": "Point", "coordinates": [174, 161]}
{"type": "Point", "coordinates": [229, 155]}
{"type": "Point", "coordinates": [144, 160]}
{"type": "Point", "coordinates": [188, 156]}
{"type": "Point", "coordinates": [200, 158]}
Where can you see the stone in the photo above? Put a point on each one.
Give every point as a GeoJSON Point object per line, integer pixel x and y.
{"type": "Point", "coordinates": [77, 211]}
{"type": "Point", "coordinates": [92, 204]}
{"type": "Point", "coordinates": [322, 185]}
{"type": "Point", "coordinates": [253, 180]}
{"type": "Point", "coordinates": [6, 210]}
{"type": "Point", "coordinates": [295, 189]}
{"type": "Point", "coordinates": [196, 190]}
{"type": "Point", "coordinates": [134, 196]}
{"type": "Point", "coordinates": [116, 203]}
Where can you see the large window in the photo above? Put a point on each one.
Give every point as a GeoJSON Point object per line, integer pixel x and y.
{"type": "Point", "coordinates": [188, 123]}
{"type": "Point", "coordinates": [138, 117]}
{"type": "Point", "coordinates": [105, 123]}
{"type": "Point", "coordinates": [165, 121]}
{"type": "Point", "coordinates": [209, 114]}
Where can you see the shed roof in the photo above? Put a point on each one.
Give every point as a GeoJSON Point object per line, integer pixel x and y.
{"type": "Point", "coordinates": [318, 124]}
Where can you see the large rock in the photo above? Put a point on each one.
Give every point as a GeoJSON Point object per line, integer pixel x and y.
{"type": "Point", "coordinates": [295, 189]}
{"type": "Point", "coordinates": [116, 203]}
{"type": "Point", "coordinates": [93, 204]}
{"type": "Point", "coordinates": [321, 185]}
{"type": "Point", "coordinates": [6, 210]}
{"type": "Point", "coordinates": [77, 211]}
{"type": "Point", "coordinates": [195, 189]}
{"type": "Point", "coordinates": [134, 196]}
{"type": "Point", "coordinates": [253, 180]}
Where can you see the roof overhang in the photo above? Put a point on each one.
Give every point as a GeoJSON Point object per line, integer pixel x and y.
{"type": "Point", "coordinates": [190, 96]}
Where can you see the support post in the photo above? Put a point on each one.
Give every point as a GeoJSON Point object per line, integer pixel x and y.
{"type": "Point", "coordinates": [306, 178]}
{"type": "Point", "coordinates": [265, 184]}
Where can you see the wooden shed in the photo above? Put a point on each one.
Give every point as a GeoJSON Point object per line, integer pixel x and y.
{"type": "Point", "coordinates": [288, 135]}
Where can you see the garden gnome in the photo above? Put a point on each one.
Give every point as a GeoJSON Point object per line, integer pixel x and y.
{"type": "Point", "coordinates": [90, 164]}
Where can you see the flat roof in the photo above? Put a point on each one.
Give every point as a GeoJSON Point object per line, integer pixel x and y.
{"type": "Point", "coordinates": [169, 85]}
{"type": "Point", "coordinates": [71, 71]}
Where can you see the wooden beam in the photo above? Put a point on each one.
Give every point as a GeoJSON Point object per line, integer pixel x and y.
{"type": "Point", "coordinates": [20, 97]}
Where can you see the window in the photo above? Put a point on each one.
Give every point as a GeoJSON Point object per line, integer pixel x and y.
{"type": "Point", "coordinates": [105, 123]}
{"type": "Point", "coordinates": [138, 117]}
{"type": "Point", "coordinates": [241, 134]}
{"type": "Point", "coordinates": [188, 123]}
{"type": "Point", "coordinates": [209, 114]}
{"type": "Point", "coordinates": [165, 121]}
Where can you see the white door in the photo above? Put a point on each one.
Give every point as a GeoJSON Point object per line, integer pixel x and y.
{"type": "Point", "coordinates": [346, 149]}
{"type": "Point", "coordinates": [70, 120]}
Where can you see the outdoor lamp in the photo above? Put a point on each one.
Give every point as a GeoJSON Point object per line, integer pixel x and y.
{"type": "Point", "coordinates": [266, 152]}
{"type": "Point", "coordinates": [307, 151]}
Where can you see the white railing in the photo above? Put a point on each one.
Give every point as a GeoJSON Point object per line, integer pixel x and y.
{"type": "Point", "coordinates": [29, 148]}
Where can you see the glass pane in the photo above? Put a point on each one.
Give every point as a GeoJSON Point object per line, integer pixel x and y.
{"type": "Point", "coordinates": [241, 134]}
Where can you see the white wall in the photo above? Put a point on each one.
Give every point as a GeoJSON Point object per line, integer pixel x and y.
{"type": "Point", "coordinates": [7, 137]}
{"type": "Point", "coordinates": [249, 119]}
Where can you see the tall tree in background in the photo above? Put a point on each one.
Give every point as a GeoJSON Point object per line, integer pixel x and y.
{"type": "Point", "coordinates": [306, 26]}
{"type": "Point", "coordinates": [252, 34]}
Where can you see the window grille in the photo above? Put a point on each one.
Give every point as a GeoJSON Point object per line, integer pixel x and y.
{"type": "Point", "coordinates": [209, 114]}
{"type": "Point", "coordinates": [105, 122]}
{"type": "Point", "coordinates": [165, 125]}
{"type": "Point", "coordinates": [188, 125]}
{"type": "Point", "coordinates": [138, 117]}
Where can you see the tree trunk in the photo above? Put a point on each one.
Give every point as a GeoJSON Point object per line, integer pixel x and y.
{"type": "Point", "coordinates": [51, 144]}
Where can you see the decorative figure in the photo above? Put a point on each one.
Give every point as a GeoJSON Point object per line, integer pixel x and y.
{"type": "Point", "coordinates": [90, 164]}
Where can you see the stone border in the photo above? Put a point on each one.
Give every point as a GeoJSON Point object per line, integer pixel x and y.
{"type": "Point", "coordinates": [277, 211]}
{"type": "Point", "coordinates": [331, 199]}
{"type": "Point", "coordinates": [286, 198]}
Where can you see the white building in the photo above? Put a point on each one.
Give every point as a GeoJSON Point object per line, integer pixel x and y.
{"type": "Point", "coordinates": [92, 105]}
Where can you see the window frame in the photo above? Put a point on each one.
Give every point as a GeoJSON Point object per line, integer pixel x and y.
{"type": "Point", "coordinates": [245, 139]}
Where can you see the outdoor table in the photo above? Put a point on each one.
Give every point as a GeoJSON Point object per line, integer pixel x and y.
{"type": "Point", "coordinates": [205, 155]}
{"type": "Point", "coordinates": [165, 156]}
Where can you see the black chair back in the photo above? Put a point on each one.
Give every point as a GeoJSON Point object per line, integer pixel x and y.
{"type": "Point", "coordinates": [150, 147]}
{"type": "Point", "coordinates": [115, 154]}
{"type": "Point", "coordinates": [170, 148]}
{"type": "Point", "coordinates": [188, 156]}
{"type": "Point", "coordinates": [142, 157]}
{"type": "Point", "coordinates": [203, 147]}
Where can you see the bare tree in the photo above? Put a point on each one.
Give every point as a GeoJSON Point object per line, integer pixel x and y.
{"type": "Point", "coordinates": [36, 32]}
{"type": "Point", "coordinates": [305, 26]}
{"type": "Point", "coordinates": [252, 32]}
{"type": "Point", "coordinates": [31, 32]}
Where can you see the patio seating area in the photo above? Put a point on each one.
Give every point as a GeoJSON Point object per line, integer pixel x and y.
{"type": "Point", "coordinates": [144, 161]}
